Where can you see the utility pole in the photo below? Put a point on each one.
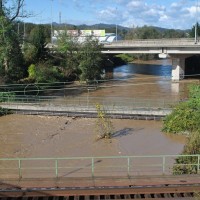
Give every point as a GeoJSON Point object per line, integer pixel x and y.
{"type": "Point", "coordinates": [51, 21]}
{"type": "Point", "coordinates": [24, 35]}
{"type": "Point", "coordinates": [196, 27]}
{"type": "Point", "coordinates": [60, 18]}
{"type": "Point", "coordinates": [116, 28]}
{"type": "Point", "coordinates": [60, 13]}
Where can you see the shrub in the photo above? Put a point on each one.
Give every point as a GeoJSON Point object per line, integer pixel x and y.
{"type": "Point", "coordinates": [185, 117]}
{"type": "Point", "coordinates": [104, 124]}
{"type": "Point", "coordinates": [186, 165]}
{"type": "Point", "coordinates": [7, 96]}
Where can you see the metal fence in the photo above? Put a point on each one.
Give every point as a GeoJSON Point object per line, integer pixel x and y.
{"type": "Point", "coordinates": [95, 166]}
{"type": "Point", "coordinates": [87, 104]}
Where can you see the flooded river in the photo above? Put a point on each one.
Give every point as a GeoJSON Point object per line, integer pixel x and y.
{"type": "Point", "coordinates": [142, 81]}
{"type": "Point", "coordinates": [43, 136]}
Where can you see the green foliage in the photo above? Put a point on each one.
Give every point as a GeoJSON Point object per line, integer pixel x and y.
{"type": "Point", "coordinates": [126, 57]}
{"type": "Point", "coordinates": [192, 32]}
{"type": "Point", "coordinates": [80, 60]}
{"type": "Point", "coordinates": [145, 32]}
{"type": "Point", "coordinates": [185, 117]}
{"type": "Point", "coordinates": [7, 96]}
{"type": "Point", "coordinates": [90, 60]}
{"type": "Point", "coordinates": [171, 33]}
{"type": "Point", "coordinates": [68, 53]}
{"type": "Point", "coordinates": [11, 58]}
{"type": "Point", "coordinates": [104, 125]}
{"type": "Point", "coordinates": [32, 71]}
{"type": "Point", "coordinates": [186, 165]}
{"type": "Point", "coordinates": [149, 32]}
{"type": "Point", "coordinates": [47, 74]}
{"type": "Point", "coordinates": [35, 49]}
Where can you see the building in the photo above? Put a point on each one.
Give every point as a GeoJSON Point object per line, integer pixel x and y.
{"type": "Point", "coordinates": [82, 35]}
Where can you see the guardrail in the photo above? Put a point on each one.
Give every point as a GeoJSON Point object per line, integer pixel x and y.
{"type": "Point", "coordinates": [94, 166]}
{"type": "Point", "coordinates": [155, 42]}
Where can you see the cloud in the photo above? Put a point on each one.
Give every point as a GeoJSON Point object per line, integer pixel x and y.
{"type": "Point", "coordinates": [168, 14]}
{"type": "Point", "coordinates": [109, 14]}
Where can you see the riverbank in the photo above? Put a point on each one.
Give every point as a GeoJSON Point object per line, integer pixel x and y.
{"type": "Point", "coordinates": [154, 62]}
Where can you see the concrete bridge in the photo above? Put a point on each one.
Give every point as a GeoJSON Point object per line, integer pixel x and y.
{"type": "Point", "coordinates": [177, 49]}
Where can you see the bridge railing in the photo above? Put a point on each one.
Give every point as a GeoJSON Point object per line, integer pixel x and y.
{"type": "Point", "coordinates": [154, 42]}
{"type": "Point", "coordinates": [97, 166]}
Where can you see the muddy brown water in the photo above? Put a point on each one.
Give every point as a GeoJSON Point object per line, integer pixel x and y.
{"type": "Point", "coordinates": [147, 80]}
{"type": "Point", "coordinates": [45, 136]}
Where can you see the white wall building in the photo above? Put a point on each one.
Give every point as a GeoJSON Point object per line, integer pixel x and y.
{"type": "Point", "coordinates": [82, 35]}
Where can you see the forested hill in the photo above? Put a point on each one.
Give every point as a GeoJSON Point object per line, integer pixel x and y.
{"type": "Point", "coordinates": [125, 32]}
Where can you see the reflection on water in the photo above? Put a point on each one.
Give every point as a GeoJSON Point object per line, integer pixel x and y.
{"type": "Point", "coordinates": [142, 81]}
{"type": "Point", "coordinates": [126, 71]}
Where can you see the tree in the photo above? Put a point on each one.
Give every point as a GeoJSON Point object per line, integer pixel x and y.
{"type": "Point", "coordinates": [12, 10]}
{"type": "Point", "coordinates": [11, 58]}
{"type": "Point", "coordinates": [81, 60]}
{"type": "Point", "coordinates": [145, 32]}
{"type": "Point", "coordinates": [192, 32]}
{"type": "Point", "coordinates": [35, 47]}
{"type": "Point", "coordinates": [43, 72]}
{"type": "Point", "coordinates": [91, 60]}
{"type": "Point", "coordinates": [68, 53]}
{"type": "Point", "coordinates": [171, 33]}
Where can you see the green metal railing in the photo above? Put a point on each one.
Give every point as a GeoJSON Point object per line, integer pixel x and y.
{"type": "Point", "coordinates": [96, 166]}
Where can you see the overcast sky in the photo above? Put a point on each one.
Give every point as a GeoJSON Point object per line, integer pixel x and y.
{"type": "Point", "coordinates": [177, 14]}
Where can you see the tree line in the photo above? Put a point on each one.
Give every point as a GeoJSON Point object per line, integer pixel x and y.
{"type": "Point", "coordinates": [25, 58]}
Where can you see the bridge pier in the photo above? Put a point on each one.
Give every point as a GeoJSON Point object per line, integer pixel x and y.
{"type": "Point", "coordinates": [178, 67]}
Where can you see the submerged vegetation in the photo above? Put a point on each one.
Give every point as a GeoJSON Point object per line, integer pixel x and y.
{"type": "Point", "coordinates": [104, 126]}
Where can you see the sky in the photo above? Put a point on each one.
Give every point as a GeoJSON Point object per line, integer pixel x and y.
{"type": "Point", "coordinates": [173, 14]}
